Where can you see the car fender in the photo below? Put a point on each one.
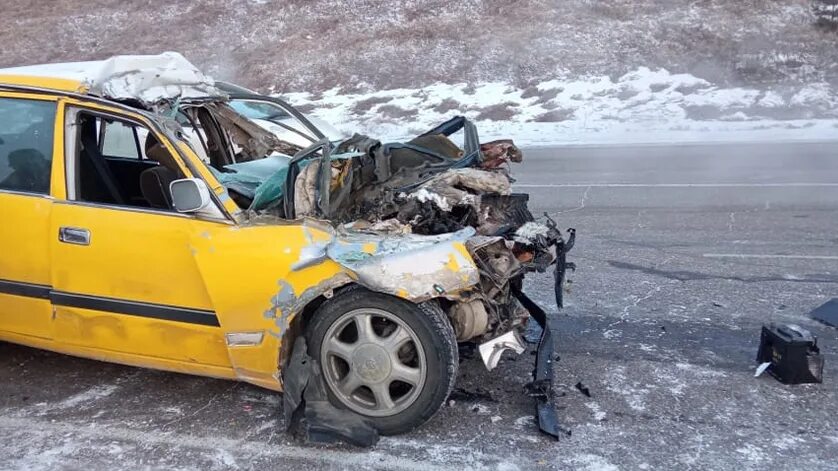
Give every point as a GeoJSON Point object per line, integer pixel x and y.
{"type": "Point", "coordinates": [261, 275]}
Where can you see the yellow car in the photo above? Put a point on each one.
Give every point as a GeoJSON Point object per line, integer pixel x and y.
{"type": "Point", "coordinates": [121, 243]}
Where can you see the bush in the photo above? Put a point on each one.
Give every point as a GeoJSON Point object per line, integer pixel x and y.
{"type": "Point", "coordinates": [826, 12]}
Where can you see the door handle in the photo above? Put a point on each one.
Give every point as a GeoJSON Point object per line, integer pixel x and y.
{"type": "Point", "coordinates": [74, 235]}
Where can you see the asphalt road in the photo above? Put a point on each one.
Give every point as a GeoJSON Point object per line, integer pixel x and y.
{"type": "Point", "coordinates": [683, 253]}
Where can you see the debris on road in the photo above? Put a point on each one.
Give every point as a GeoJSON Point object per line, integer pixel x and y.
{"type": "Point", "coordinates": [583, 389]}
{"type": "Point", "coordinates": [479, 394]}
{"type": "Point", "coordinates": [541, 387]}
{"type": "Point", "coordinates": [761, 369]}
{"type": "Point", "coordinates": [491, 351]}
{"type": "Point", "coordinates": [827, 313]}
{"type": "Point", "coordinates": [791, 353]}
{"type": "Point", "coordinates": [308, 412]}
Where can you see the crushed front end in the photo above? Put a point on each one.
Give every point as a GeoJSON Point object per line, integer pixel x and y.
{"type": "Point", "coordinates": [430, 186]}
{"type": "Point", "coordinates": [395, 197]}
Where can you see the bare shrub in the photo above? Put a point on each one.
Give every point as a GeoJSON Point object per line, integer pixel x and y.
{"type": "Point", "coordinates": [704, 112]}
{"type": "Point", "coordinates": [447, 105]}
{"type": "Point", "coordinates": [367, 104]}
{"type": "Point", "coordinates": [689, 89]}
{"type": "Point", "coordinates": [396, 112]}
{"type": "Point", "coordinates": [530, 92]}
{"type": "Point", "coordinates": [499, 112]}
{"type": "Point", "coordinates": [625, 93]}
{"type": "Point", "coordinates": [826, 13]}
{"type": "Point", "coordinates": [307, 108]}
{"type": "Point", "coordinates": [554, 116]}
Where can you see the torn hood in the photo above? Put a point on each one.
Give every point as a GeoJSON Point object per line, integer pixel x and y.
{"type": "Point", "coordinates": [148, 79]}
{"type": "Point", "coordinates": [411, 266]}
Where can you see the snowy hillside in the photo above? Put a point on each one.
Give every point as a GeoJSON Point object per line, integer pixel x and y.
{"type": "Point", "coordinates": [305, 45]}
{"type": "Point", "coordinates": [546, 71]}
{"type": "Point", "coordinates": [643, 106]}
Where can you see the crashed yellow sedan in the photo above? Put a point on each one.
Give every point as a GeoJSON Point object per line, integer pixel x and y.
{"type": "Point", "coordinates": [154, 217]}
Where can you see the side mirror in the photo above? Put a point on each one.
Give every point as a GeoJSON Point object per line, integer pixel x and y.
{"type": "Point", "coordinates": [189, 195]}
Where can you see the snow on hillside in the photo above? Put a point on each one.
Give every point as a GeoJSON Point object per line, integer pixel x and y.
{"type": "Point", "coordinates": [643, 106]}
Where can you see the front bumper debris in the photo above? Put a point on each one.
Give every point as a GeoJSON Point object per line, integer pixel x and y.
{"type": "Point", "coordinates": [308, 412]}
{"type": "Point", "coordinates": [492, 350]}
{"type": "Point", "coordinates": [542, 386]}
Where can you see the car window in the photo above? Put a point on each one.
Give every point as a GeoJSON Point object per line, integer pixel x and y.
{"type": "Point", "coordinates": [120, 139]}
{"type": "Point", "coordinates": [259, 110]}
{"type": "Point", "coordinates": [26, 143]}
{"type": "Point", "coordinates": [119, 161]}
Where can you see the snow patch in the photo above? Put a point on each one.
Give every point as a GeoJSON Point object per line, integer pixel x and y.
{"type": "Point", "coordinates": [751, 453]}
{"type": "Point", "coordinates": [526, 421]}
{"type": "Point", "coordinates": [643, 106]}
{"type": "Point", "coordinates": [599, 414]}
{"type": "Point", "coordinates": [423, 195]}
{"type": "Point", "coordinates": [590, 462]}
{"type": "Point", "coordinates": [530, 232]}
{"type": "Point", "coordinates": [77, 400]}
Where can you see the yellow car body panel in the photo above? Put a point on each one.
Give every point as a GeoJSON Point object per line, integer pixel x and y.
{"type": "Point", "coordinates": [170, 291]}
{"type": "Point", "coordinates": [25, 247]}
{"type": "Point", "coordinates": [49, 83]}
{"type": "Point", "coordinates": [29, 263]}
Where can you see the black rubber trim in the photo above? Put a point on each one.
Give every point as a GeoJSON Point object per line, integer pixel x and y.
{"type": "Point", "coordinates": [136, 308]}
{"type": "Point", "coordinates": [29, 290]}
{"type": "Point", "coordinates": [121, 306]}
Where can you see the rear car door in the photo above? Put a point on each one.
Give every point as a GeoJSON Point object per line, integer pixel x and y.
{"type": "Point", "coordinates": [125, 284]}
{"type": "Point", "coordinates": [27, 132]}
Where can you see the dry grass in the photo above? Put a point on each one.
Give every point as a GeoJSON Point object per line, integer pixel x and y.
{"type": "Point", "coordinates": [396, 112]}
{"type": "Point", "coordinates": [316, 45]}
{"type": "Point", "coordinates": [554, 116]}
{"type": "Point", "coordinates": [499, 112]}
{"type": "Point", "coordinates": [446, 105]}
{"type": "Point", "coordinates": [363, 106]}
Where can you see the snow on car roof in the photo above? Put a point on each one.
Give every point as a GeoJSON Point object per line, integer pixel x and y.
{"type": "Point", "coordinates": [147, 78]}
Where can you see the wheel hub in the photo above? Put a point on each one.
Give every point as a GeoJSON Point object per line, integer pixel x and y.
{"type": "Point", "coordinates": [372, 363]}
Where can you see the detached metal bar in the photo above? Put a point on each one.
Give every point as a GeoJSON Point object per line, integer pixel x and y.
{"type": "Point", "coordinates": [542, 386]}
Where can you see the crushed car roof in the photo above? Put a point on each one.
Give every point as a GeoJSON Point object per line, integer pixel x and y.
{"type": "Point", "coordinates": [145, 78]}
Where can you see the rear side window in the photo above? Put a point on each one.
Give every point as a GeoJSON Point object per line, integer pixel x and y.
{"type": "Point", "coordinates": [26, 142]}
{"type": "Point", "coordinates": [120, 139]}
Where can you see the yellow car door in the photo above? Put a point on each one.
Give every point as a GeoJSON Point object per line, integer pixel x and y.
{"type": "Point", "coordinates": [125, 285]}
{"type": "Point", "coordinates": [27, 130]}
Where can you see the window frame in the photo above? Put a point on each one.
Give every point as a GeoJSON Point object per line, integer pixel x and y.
{"type": "Point", "coordinates": [136, 138]}
{"type": "Point", "coordinates": [28, 96]}
{"type": "Point", "coordinates": [71, 154]}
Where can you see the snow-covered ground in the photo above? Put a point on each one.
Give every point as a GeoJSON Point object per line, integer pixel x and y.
{"type": "Point", "coordinates": [643, 106]}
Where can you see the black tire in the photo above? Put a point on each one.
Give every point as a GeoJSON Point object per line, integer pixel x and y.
{"type": "Point", "coordinates": [432, 328]}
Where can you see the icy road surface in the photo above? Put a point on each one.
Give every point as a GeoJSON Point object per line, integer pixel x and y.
{"type": "Point", "coordinates": [662, 325]}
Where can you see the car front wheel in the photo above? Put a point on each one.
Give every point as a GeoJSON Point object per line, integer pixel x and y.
{"type": "Point", "coordinates": [392, 361]}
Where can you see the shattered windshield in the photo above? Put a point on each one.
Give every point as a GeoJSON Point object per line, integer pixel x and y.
{"type": "Point", "coordinates": [259, 110]}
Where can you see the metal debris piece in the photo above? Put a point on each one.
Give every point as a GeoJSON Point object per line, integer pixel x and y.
{"type": "Point", "coordinates": [498, 153]}
{"type": "Point", "coordinates": [307, 409]}
{"type": "Point", "coordinates": [583, 389]}
{"type": "Point", "coordinates": [761, 369]}
{"type": "Point", "coordinates": [492, 350]}
{"type": "Point", "coordinates": [460, 394]}
{"type": "Point", "coordinates": [542, 386]}
{"type": "Point", "coordinates": [792, 353]}
{"type": "Point", "coordinates": [827, 313]}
